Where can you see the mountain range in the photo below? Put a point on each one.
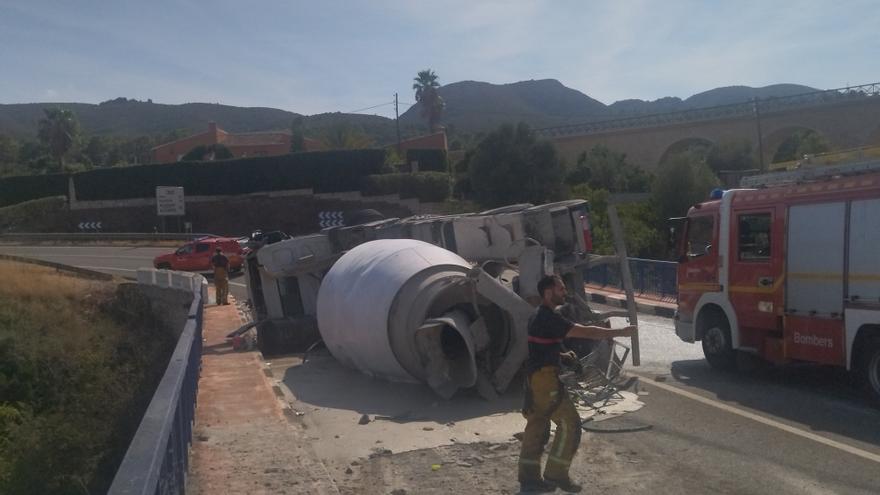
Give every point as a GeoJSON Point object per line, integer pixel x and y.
{"type": "Point", "coordinates": [471, 107]}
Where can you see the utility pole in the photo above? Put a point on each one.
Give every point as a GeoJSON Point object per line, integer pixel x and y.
{"type": "Point", "coordinates": [760, 138]}
{"type": "Point", "coordinates": [397, 122]}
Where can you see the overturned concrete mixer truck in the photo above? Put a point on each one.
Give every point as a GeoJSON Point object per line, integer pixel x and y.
{"type": "Point", "coordinates": [440, 300]}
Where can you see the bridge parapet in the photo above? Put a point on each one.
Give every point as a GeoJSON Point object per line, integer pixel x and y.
{"type": "Point", "coordinates": [158, 457]}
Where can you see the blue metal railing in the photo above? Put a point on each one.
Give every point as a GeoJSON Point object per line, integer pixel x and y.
{"type": "Point", "coordinates": [157, 459]}
{"type": "Point", "coordinates": [651, 278]}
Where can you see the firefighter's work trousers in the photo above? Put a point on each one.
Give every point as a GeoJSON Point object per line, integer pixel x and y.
{"type": "Point", "coordinates": [546, 401]}
{"type": "Point", "coordinates": [221, 284]}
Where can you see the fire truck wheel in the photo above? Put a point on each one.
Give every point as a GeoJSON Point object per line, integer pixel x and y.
{"type": "Point", "coordinates": [717, 346]}
{"type": "Point", "coordinates": [870, 369]}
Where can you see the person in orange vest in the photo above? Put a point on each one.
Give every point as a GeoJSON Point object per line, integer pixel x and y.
{"type": "Point", "coordinates": [546, 398]}
{"type": "Point", "coordinates": [221, 276]}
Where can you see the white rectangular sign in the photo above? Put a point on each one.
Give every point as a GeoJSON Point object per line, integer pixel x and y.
{"type": "Point", "coordinates": [169, 201]}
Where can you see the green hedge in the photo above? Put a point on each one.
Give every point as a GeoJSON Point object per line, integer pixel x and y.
{"type": "Point", "coordinates": [426, 186]}
{"type": "Point", "coordinates": [322, 171]}
{"type": "Point", "coordinates": [14, 190]}
{"type": "Point", "coordinates": [429, 160]}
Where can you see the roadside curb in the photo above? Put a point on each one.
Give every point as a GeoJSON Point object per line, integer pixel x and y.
{"type": "Point", "coordinates": [657, 308]}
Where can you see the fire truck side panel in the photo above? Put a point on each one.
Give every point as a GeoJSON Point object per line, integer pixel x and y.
{"type": "Point", "coordinates": [863, 274]}
{"type": "Point", "coordinates": [818, 340]}
{"type": "Point", "coordinates": [864, 261]}
{"type": "Point", "coordinates": [815, 260]}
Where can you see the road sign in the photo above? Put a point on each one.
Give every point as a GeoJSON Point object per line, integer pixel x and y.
{"type": "Point", "coordinates": [331, 219]}
{"type": "Point", "coordinates": [169, 201]}
{"type": "Point", "coordinates": [89, 226]}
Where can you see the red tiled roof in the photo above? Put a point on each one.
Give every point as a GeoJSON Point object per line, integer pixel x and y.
{"type": "Point", "coordinates": [256, 138]}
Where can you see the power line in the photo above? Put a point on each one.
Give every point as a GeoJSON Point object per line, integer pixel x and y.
{"type": "Point", "coordinates": [370, 108]}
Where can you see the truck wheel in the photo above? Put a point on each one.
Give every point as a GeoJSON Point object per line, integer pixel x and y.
{"type": "Point", "coordinates": [869, 368]}
{"type": "Point", "coordinates": [717, 345]}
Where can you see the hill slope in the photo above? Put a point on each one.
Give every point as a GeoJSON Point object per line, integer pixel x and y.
{"type": "Point", "coordinates": [471, 106]}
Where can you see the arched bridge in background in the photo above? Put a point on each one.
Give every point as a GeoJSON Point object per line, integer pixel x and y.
{"type": "Point", "coordinates": [846, 118]}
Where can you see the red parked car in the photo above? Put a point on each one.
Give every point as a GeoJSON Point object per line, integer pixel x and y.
{"type": "Point", "coordinates": [196, 255]}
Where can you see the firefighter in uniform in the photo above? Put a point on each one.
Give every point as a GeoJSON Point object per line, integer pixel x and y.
{"type": "Point", "coordinates": [546, 398]}
{"type": "Point", "coordinates": [221, 276]}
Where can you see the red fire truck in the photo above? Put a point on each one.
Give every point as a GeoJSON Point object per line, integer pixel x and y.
{"type": "Point", "coordinates": [788, 269]}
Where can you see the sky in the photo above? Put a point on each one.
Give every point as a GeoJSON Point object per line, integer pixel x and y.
{"type": "Point", "coordinates": [326, 56]}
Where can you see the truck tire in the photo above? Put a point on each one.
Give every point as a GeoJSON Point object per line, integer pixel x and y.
{"type": "Point", "coordinates": [717, 345]}
{"type": "Point", "coordinates": [869, 369]}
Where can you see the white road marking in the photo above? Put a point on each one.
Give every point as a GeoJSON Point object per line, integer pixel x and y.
{"type": "Point", "coordinates": [760, 419]}
{"type": "Point", "coordinates": [237, 284]}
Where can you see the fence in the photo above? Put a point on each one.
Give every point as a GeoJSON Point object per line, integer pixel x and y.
{"type": "Point", "coordinates": [158, 457]}
{"type": "Point", "coordinates": [651, 278]}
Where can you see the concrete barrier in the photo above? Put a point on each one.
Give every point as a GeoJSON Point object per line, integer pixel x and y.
{"type": "Point", "coordinates": [146, 276]}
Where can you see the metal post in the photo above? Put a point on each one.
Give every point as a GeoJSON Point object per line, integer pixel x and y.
{"type": "Point", "coordinates": [760, 137]}
{"type": "Point", "coordinates": [397, 123]}
{"type": "Point", "coordinates": [626, 279]}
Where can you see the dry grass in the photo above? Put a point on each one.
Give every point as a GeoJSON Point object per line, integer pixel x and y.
{"type": "Point", "coordinates": [26, 281]}
{"type": "Point", "coordinates": [78, 364]}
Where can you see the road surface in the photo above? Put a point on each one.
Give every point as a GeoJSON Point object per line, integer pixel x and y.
{"type": "Point", "coordinates": [791, 430]}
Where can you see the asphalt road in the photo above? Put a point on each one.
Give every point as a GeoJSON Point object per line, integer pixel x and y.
{"type": "Point", "coordinates": [796, 429]}
{"type": "Point", "coordinates": [116, 260]}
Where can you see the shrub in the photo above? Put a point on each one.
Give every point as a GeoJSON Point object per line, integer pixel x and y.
{"type": "Point", "coordinates": [27, 187]}
{"type": "Point", "coordinates": [322, 171]}
{"type": "Point", "coordinates": [431, 160]}
{"type": "Point", "coordinates": [426, 186]}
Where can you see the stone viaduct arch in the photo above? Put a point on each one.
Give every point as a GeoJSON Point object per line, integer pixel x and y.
{"type": "Point", "coordinates": [845, 124]}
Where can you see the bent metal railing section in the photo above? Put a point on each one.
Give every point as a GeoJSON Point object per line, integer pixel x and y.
{"type": "Point", "coordinates": [158, 457]}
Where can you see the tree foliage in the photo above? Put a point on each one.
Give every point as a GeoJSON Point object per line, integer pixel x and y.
{"type": "Point", "coordinates": [345, 137]}
{"type": "Point", "coordinates": [639, 222]}
{"type": "Point", "coordinates": [682, 180]}
{"type": "Point", "coordinates": [58, 131]}
{"type": "Point", "coordinates": [603, 168]}
{"type": "Point", "coordinates": [432, 104]}
{"type": "Point", "coordinates": [731, 155]}
{"type": "Point", "coordinates": [801, 142]}
{"type": "Point", "coordinates": [512, 166]}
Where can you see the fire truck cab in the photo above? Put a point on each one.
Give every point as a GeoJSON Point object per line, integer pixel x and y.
{"type": "Point", "coordinates": [787, 269]}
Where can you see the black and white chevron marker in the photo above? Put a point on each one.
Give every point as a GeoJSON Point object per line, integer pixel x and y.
{"type": "Point", "coordinates": [331, 219]}
{"type": "Point", "coordinates": [89, 226]}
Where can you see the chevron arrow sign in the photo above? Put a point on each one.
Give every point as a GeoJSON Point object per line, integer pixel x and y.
{"type": "Point", "coordinates": [89, 226]}
{"type": "Point", "coordinates": [331, 219]}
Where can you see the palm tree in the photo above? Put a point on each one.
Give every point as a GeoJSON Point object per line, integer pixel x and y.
{"type": "Point", "coordinates": [432, 103]}
{"type": "Point", "coordinates": [58, 131]}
